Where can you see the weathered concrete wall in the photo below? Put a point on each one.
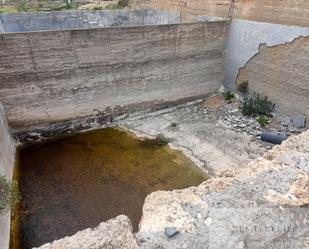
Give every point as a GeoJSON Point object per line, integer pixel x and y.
{"type": "Point", "coordinates": [245, 38]}
{"type": "Point", "coordinates": [281, 72]}
{"type": "Point", "coordinates": [61, 75]}
{"type": "Point", "coordinates": [7, 157]}
{"type": "Point", "coordinates": [60, 20]}
{"type": "Point", "coordinates": [189, 10]}
{"type": "Point", "coordinates": [288, 12]}
{"type": "Point", "coordinates": [287, 86]}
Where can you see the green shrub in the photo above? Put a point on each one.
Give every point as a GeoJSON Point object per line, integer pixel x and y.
{"type": "Point", "coordinates": [256, 105]}
{"type": "Point", "coordinates": [69, 4]}
{"type": "Point", "coordinates": [243, 86]}
{"type": "Point", "coordinates": [229, 96]}
{"type": "Point", "coordinates": [23, 6]}
{"type": "Point", "coordinates": [262, 120]}
{"type": "Point", "coordinates": [173, 124]}
{"type": "Point", "coordinates": [9, 194]}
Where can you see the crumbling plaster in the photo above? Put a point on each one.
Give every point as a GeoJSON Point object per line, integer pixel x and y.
{"type": "Point", "coordinates": [244, 40]}
{"type": "Point", "coordinates": [281, 72]}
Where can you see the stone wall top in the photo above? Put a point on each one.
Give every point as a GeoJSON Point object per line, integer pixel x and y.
{"type": "Point", "coordinates": [83, 19]}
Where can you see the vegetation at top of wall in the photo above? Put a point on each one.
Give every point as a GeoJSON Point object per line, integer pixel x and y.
{"type": "Point", "coordinates": [9, 194]}
{"type": "Point", "coordinates": [15, 6]}
{"type": "Point", "coordinates": [243, 86]}
{"type": "Point", "coordinates": [256, 105]}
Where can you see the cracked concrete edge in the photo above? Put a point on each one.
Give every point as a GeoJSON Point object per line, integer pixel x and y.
{"type": "Point", "coordinates": [190, 209]}
{"type": "Point", "coordinates": [245, 40]}
{"type": "Point", "coordinates": [293, 143]}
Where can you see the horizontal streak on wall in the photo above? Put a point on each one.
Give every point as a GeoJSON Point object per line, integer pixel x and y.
{"type": "Point", "coordinates": [61, 75]}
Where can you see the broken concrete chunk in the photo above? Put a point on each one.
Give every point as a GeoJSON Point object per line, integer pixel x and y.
{"type": "Point", "coordinates": [171, 232]}
{"type": "Point", "coordinates": [299, 121]}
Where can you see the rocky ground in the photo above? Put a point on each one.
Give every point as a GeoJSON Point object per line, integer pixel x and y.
{"type": "Point", "coordinates": [263, 205]}
{"type": "Point", "coordinates": [212, 132]}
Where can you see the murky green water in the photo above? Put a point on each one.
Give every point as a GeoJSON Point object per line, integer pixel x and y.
{"type": "Point", "coordinates": [77, 182]}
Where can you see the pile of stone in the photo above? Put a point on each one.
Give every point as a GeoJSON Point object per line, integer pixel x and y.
{"type": "Point", "coordinates": [286, 126]}
{"type": "Point", "coordinates": [233, 118]}
{"type": "Point", "coordinates": [293, 124]}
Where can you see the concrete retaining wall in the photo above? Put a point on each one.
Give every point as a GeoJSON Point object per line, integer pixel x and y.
{"type": "Point", "coordinates": [245, 38]}
{"type": "Point", "coordinates": [281, 74]}
{"type": "Point", "coordinates": [7, 157]}
{"type": "Point", "coordinates": [61, 75]}
{"type": "Point", "coordinates": [286, 66]}
{"type": "Point", "coordinates": [21, 22]}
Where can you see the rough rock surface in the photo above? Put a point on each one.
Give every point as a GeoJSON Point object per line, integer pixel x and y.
{"type": "Point", "coordinates": [264, 205]}
{"type": "Point", "coordinates": [113, 234]}
{"type": "Point", "coordinates": [288, 12]}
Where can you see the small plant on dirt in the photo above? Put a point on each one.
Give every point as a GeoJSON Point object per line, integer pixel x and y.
{"type": "Point", "coordinates": [173, 124]}
{"type": "Point", "coordinates": [22, 6]}
{"type": "Point", "coordinates": [161, 139]}
{"type": "Point", "coordinates": [256, 105]}
{"type": "Point", "coordinates": [9, 194]}
{"type": "Point", "coordinates": [228, 96]}
{"type": "Point", "coordinates": [262, 120]}
{"type": "Point", "coordinates": [243, 86]}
